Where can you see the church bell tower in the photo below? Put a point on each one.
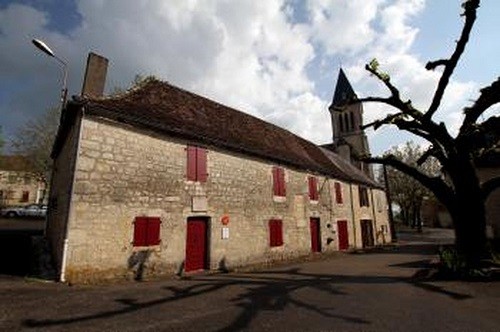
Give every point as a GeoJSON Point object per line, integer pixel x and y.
{"type": "Point", "coordinates": [349, 140]}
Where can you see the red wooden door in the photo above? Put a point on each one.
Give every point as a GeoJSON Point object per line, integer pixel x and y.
{"type": "Point", "coordinates": [196, 245]}
{"type": "Point", "coordinates": [343, 234]}
{"type": "Point", "coordinates": [315, 235]}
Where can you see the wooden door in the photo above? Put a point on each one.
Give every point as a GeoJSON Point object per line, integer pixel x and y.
{"type": "Point", "coordinates": [315, 235]}
{"type": "Point", "coordinates": [367, 233]}
{"type": "Point", "coordinates": [196, 244]}
{"type": "Point", "coordinates": [343, 234]}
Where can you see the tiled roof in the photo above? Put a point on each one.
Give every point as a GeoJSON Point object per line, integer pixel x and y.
{"type": "Point", "coordinates": [166, 109]}
{"type": "Point", "coordinates": [350, 170]}
{"type": "Point", "coordinates": [14, 163]}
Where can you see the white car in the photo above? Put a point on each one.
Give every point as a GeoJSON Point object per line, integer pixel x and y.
{"type": "Point", "coordinates": [30, 211]}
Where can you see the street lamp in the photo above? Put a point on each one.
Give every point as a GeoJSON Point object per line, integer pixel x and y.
{"type": "Point", "coordinates": [45, 49]}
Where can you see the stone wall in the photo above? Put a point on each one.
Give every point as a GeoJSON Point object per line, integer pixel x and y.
{"type": "Point", "coordinates": [123, 173]}
{"type": "Point", "coordinates": [492, 202]}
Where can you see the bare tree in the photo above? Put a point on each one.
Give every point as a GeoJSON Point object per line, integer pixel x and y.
{"type": "Point", "coordinates": [34, 140]}
{"type": "Point", "coordinates": [405, 191]}
{"type": "Point", "coordinates": [462, 192]}
{"type": "Point", "coordinates": [2, 142]}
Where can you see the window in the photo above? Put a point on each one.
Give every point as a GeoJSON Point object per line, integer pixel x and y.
{"type": "Point", "coordinates": [363, 196]}
{"type": "Point", "coordinates": [12, 178]}
{"type": "Point", "coordinates": [25, 197]}
{"type": "Point", "coordinates": [275, 233]}
{"type": "Point", "coordinates": [146, 231]}
{"type": "Point", "coordinates": [313, 188]}
{"type": "Point", "coordinates": [338, 193]}
{"type": "Point", "coordinates": [196, 164]}
{"type": "Point", "coordinates": [279, 188]}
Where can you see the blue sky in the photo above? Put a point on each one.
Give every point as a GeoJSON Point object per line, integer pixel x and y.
{"type": "Point", "coordinates": [275, 59]}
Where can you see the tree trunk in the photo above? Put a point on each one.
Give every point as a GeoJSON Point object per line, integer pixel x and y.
{"type": "Point", "coordinates": [470, 231]}
{"type": "Point", "coordinates": [469, 217]}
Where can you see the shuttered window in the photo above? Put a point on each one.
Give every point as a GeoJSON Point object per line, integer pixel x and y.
{"type": "Point", "coordinates": [279, 188]}
{"type": "Point", "coordinates": [26, 197]}
{"type": "Point", "coordinates": [363, 196]}
{"type": "Point", "coordinates": [196, 164]}
{"type": "Point", "coordinates": [338, 193]}
{"type": "Point", "coordinates": [313, 188]}
{"type": "Point", "coordinates": [275, 232]}
{"type": "Point", "coordinates": [146, 231]}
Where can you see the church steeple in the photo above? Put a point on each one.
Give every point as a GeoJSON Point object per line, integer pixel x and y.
{"type": "Point", "coordinates": [343, 91]}
{"type": "Point", "coordinates": [348, 138]}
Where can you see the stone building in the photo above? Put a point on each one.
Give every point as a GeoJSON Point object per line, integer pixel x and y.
{"type": "Point", "coordinates": [160, 181]}
{"type": "Point", "coordinates": [19, 186]}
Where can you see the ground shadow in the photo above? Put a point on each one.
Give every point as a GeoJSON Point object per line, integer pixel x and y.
{"type": "Point", "coordinates": [16, 251]}
{"type": "Point", "coordinates": [269, 290]}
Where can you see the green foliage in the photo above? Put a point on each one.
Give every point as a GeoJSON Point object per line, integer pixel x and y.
{"type": "Point", "coordinates": [138, 80]}
{"type": "Point", "coordinates": [454, 265]}
{"type": "Point", "coordinates": [374, 66]}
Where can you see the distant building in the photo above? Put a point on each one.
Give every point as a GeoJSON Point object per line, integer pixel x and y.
{"type": "Point", "coordinates": [161, 180]}
{"type": "Point", "coordinates": [19, 186]}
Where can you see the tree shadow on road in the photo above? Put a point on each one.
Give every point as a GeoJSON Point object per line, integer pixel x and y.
{"type": "Point", "coordinates": [256, 292]}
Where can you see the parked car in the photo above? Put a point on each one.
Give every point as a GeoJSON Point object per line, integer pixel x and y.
{"type": "Point", "coordinates": [30, 211]}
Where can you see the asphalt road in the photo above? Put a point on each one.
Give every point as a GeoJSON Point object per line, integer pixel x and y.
{"type": "Point", "coordinates": [373, 291]}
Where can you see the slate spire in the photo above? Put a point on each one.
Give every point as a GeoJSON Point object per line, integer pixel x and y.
{"type": "Point", "coordinates": [343, 90]}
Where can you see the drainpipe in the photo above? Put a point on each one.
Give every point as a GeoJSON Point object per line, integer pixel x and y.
{"type": "Point", "coordinates": [353, 214]}
{"type": "Point", "coordinates": [62, 276]}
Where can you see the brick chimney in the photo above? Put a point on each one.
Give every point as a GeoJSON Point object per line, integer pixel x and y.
{"type": "Point", "coordinates": [95, 76]}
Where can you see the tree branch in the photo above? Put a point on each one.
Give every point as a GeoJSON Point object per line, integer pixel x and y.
{"type": "Point", "coordinates": [442, 191]}
{"type": "Point", "coordinates": [384, 79]}
{"type": "Point", "coordinates": [489, 186]}
{"type": "Point", "coordinates": [431, 65]}
{"type": "Point", "coordinates": [470, 7]}
{"type": "Point", "coordinates": [489, 97]}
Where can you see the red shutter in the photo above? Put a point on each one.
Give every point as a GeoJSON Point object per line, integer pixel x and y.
{"type": "Point", "coordinates": [313, 188]}
{"type": "Point", "coordinates": [26, 196]}
{"type": "Point", "coordinates": [279, 231]}
{"type": "Point", "coordinates": [338, 193]}
{"type": "Point", "coordinates": [153, 231]}
{"type": "Point", "coordinates": [276, 183]}
{"type": "Point", "coordinates": [191, 163]}
{"type": "Point", "coordinates": [201, 164]}
{"type": "Point", "coordinates": [275, 233]}
{"type": "Point", "coordinates": [282, 185]}
{"type": "Point", "coordinates": [140, 231]}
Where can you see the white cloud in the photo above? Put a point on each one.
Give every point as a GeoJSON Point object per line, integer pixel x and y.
{"type": "Point", "coordinates": [343, 26]}
{"type": "Point", "coordinates": [246, 54]}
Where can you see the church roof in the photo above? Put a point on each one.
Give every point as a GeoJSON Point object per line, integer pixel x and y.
{"type": "Point", "coordinates": [169, 110]}
{"type": "Point", "coordinates": [343, 90]}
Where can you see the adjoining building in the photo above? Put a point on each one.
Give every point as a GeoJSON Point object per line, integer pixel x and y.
{"type": "Point", "coordinates": [160, 180]}
{"type": "Point", "coordinates": [18, 185]}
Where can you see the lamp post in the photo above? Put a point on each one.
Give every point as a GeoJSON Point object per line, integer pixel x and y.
{"type": "Point", "coordinates": [45, 49]}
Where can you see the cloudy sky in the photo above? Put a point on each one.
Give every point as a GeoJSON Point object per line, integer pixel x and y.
{"type": "Point", "coordinates": [275, 59]}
